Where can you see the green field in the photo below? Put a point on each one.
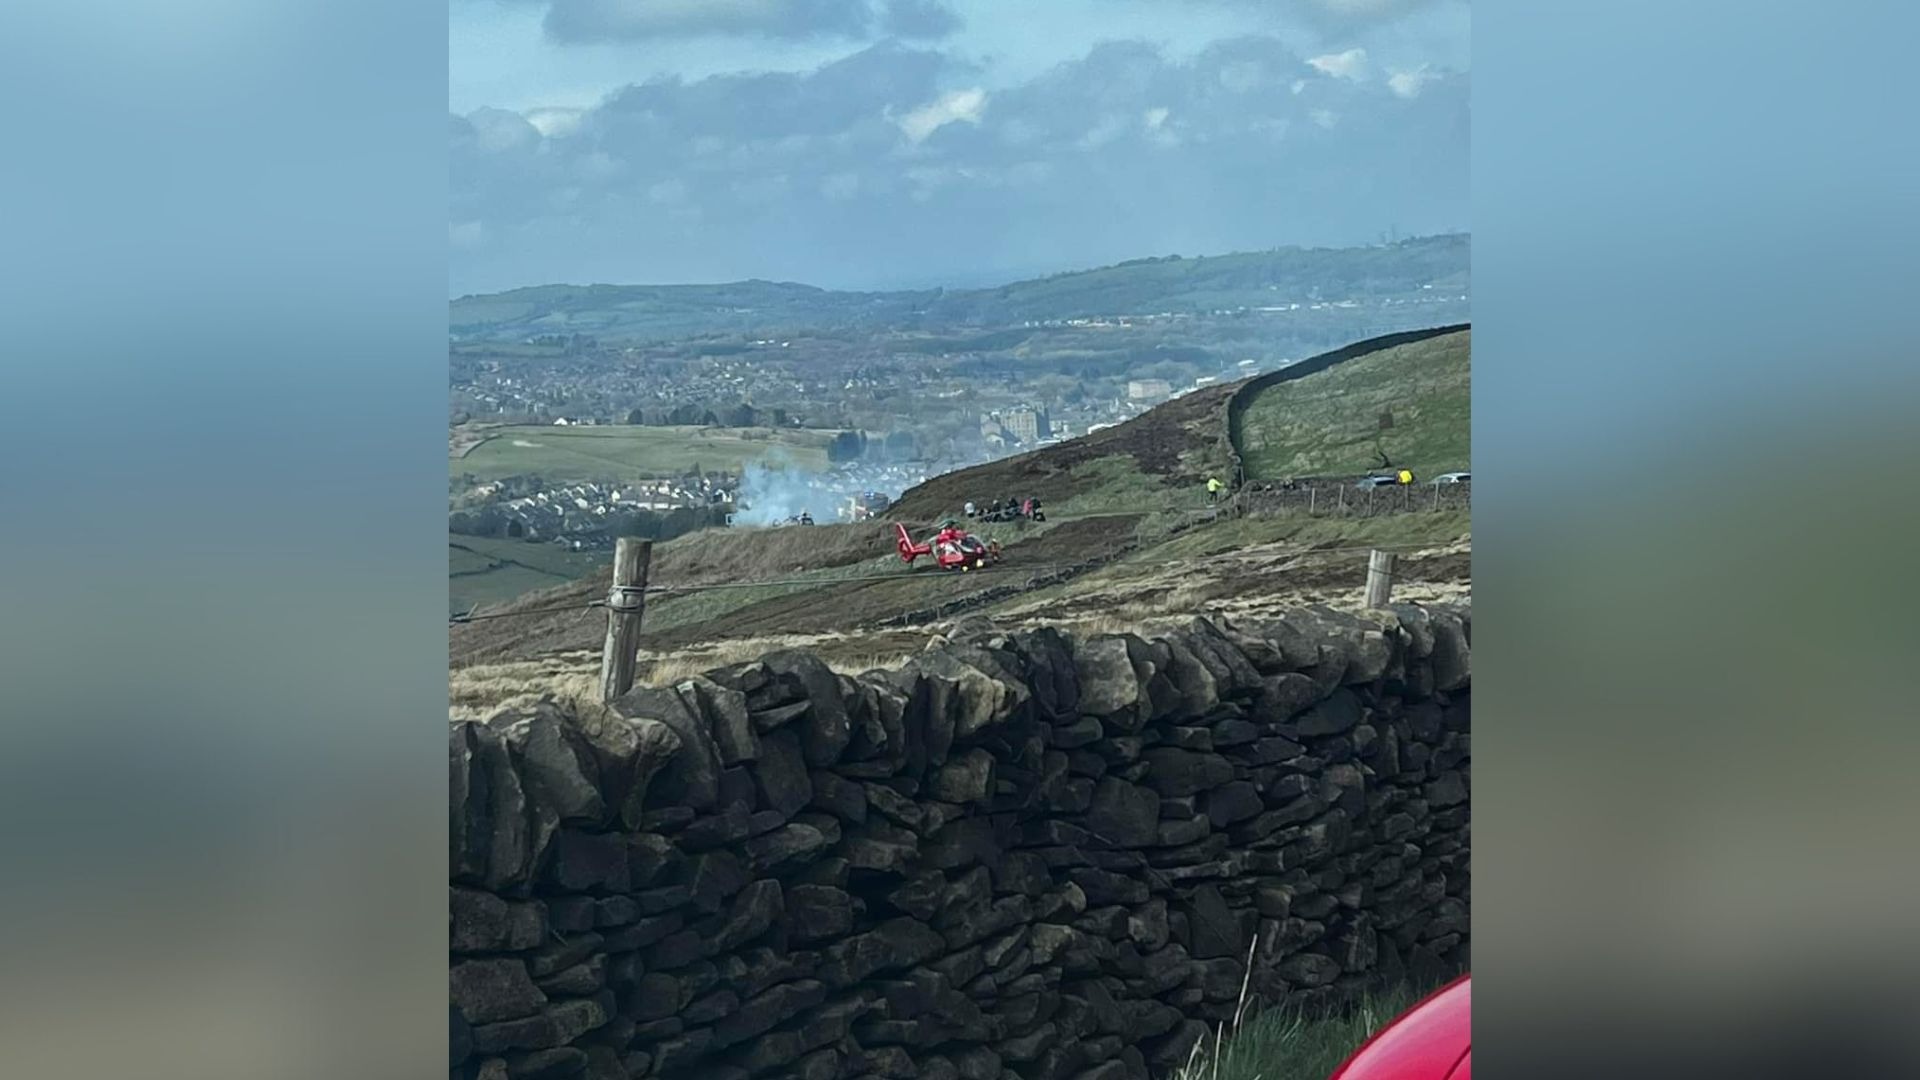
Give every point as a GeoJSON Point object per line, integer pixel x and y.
{"type": "Point", "coordinates": [488, 571]}
{"type": "Point", "coordinates": [629, 451]}
{"type": "Point", "coordinates": [1328, 423]}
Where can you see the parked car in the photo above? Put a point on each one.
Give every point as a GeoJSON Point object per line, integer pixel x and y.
{"type": "Point", "coordinates": [1454, 478]}
{"type": "Point", "coordinates": [1433, 1040]}
{"type": "Point", "coordinates": [1369, 482]}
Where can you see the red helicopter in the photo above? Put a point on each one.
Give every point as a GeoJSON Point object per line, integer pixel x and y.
{"type": "Point", "coordinates": [952, 548]}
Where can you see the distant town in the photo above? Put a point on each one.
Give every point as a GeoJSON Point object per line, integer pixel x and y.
{"type": "Point", "coordinates": [896, 406]}
{"type": "Point", "coordinates": [667, 410]}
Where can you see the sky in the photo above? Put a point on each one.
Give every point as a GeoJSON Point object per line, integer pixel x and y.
{"type": "Point", "coordinates": [877, 144]}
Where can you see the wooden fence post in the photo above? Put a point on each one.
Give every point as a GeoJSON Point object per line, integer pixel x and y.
{"type": "Point", "coordinates": [1313, 495]}
{"type": "Point", "coordinates": [626, 602]}
{"type": "Point", "coordinates": [1436, 497]}
{"type": "Point", "coordinates": [1379, 578]}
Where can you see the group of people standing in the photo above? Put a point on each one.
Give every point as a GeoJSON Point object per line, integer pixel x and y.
{"type": "Point", "coordinates": [1008, 510]}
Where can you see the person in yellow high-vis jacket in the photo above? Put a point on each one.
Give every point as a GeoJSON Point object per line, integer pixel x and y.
{"type": "Point", "coordinates": [1213, 488]}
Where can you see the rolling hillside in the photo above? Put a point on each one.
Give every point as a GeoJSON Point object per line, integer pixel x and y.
{"type": "Point", "coordinates": [1158, 459]}
{"type": "Point", "coordinates": [1170, 284]}
{"type": "Point", "coordinates": [1412, 401]}
{"type": "Point", "coordinates": [1320, 416]}
{"type": "Point", "coordinates": [1129, 537]}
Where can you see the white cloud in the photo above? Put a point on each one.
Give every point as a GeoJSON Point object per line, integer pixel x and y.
{"type": "Point", "coordinates": [498, 131]}
{"type": "Point", "coordinates": [553, 122]}
{"type": "Point", "coordinates": [1159, 132]}
{"type": "Point", "coordinates": [1299, 85]}
{"type": "Point", "coordinates": [756, 174]}
{"type": "Point", "coordinates": [960, 105]}
{"type": "Point", "coordinates": [1408, 84]}
{"type": "Point", "coordinates": [1351, 64]}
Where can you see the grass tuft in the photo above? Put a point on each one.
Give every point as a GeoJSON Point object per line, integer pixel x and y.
{"type": "Point", "coordinates": [1293, 1043]}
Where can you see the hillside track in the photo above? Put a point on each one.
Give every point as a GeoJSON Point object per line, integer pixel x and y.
{"type": "Point", "coordinates": [852, 605]}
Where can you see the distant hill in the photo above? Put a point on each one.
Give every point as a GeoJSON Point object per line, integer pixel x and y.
{"type": "Point", "coordinates": [1140, 286]}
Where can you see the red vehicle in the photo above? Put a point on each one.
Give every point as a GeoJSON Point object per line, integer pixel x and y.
{"type": "Point", "coordinates": [952, 548]}
{"type": "Point", "coordinates": [1431, 1041]}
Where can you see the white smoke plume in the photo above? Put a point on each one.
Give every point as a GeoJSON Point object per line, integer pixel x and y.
{"type": "Point", "coordinates": [776, 489]}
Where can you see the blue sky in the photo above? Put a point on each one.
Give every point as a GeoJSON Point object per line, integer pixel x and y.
{"type": "Point", "coordinates": [882, 143]}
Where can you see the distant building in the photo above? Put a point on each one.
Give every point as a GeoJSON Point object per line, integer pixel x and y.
{"type": "Point", "coordinates": [1021, 425]}
{"type": "Point", "coordinates": [1145, 389]}
{"type": "Point", "coordinates": [1027, 423]}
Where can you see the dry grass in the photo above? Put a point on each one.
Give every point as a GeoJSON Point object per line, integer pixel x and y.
{"type": "Point", "coordinates": [479, 690]}
{"type": "Point", "coordinates": [676, 668]}
{"type": "Point", "coordinates": [1246, 577]}
{"type": "Point", "coordinates": [857, 663]}
{"type": "Point", "coordinates": [1145, 620]}
{"type": "Point", "coordinates": [1246, 569]}
{"type": "Point", "coordinates": [474, 693]}
{"type": "Point", "coordinates": [747, 554]}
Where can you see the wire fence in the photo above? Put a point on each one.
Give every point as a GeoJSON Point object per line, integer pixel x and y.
{"type": "Point", "coordinates": [1039, 570]}
{"type": "Point", "coordinates": [1344, 500]}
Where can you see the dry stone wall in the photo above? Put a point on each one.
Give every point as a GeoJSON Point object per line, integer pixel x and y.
{"type": "Point", "coordinates": [1019, 856]}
